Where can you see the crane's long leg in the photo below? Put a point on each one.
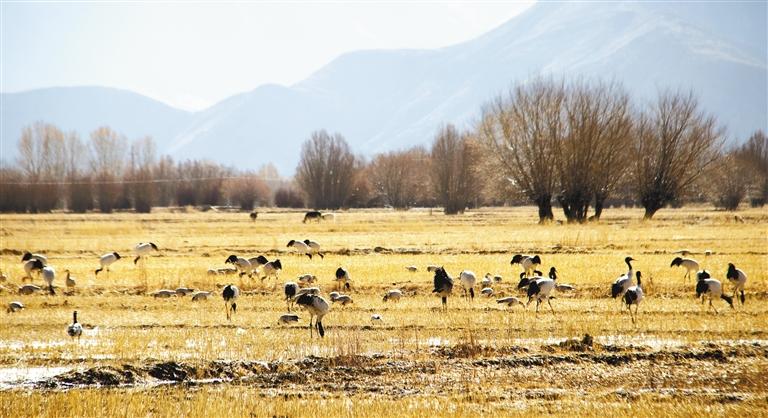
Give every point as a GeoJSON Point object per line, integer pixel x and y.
{"type": "Point", "coordinates": [549, 302]}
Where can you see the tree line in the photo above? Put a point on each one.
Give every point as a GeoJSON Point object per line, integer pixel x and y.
{"type": "Point", "coordinates": [577, 145]}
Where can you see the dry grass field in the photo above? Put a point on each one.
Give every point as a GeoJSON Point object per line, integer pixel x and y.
{"type": "Point", "coordinates": [141, 356]}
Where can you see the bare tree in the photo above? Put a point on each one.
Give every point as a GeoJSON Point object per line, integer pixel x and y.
{"type": "Point", "coordinates": [453, 170]}
{"type": "Point", "coordinates": [754, 154]}
{"type": "Point", "coordinates": [326, 171]}
{"type": "Point", "coordinates": [42, 160]}
{"type": "Point", "coordinates": [108, 150]}
{"type": "Point", "coordinates": [591, 158]}
{"type": "Point", "coordinates": [401, 177]}
{"type": "Point", "coordinates": [729, 181]}
{"type": "Point", "coordinates": [674, 143]}
{"type": "Point", "coordinates": [521, 131]}
{"type": "Point", "coordinates": [80, 196]}
{"type": "Point", "coordinates": [141, 187]}
{"type": "Point", "coordinates": [247, 191]}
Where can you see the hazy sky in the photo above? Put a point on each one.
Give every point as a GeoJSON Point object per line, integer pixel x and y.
{"type": "Point", "coordinates": [193, 55]}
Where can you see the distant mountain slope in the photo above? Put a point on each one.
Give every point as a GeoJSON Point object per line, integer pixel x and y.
{"type": "Point", "coordinates": [383, 100]}
{"type": "Point", "coordinates": [83, 109]}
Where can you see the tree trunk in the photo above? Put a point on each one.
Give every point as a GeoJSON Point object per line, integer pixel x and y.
{"type": "Point", "coordinates": [545, 209]}
{"type": "Point", "coordinates": [574, 208]}
{"type": "Point", "coordinates": [599, 204]}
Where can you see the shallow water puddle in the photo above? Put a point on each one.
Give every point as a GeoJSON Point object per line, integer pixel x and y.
{"type": "Point", "coordinates": [15, 376]}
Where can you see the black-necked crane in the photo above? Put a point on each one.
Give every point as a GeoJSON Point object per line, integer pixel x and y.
{"type": "Point", "coordinates": [623, 282]}
{"type": "Point", "coordinates": [342, 278]}
{"type": "Point", "coordinates": [314, 248]}
{"type": "Point", "coordinates": [33, 266]}
{"type": "Point", "coordinates": [541, 288]}
{"type": "Point", "coordinates": [712, 288]}
{"type": "Point", "coordinates": [468, 280]}
{"type": "Point", "coordinates": [290, 290]}
{"type": "Point", "coordinates": [75, 329]}
{"type": "Point", "coordinates": [107, 260]}
{"type": "Point", "coordinates": [487, 291]}
{"type": "Point", "coordinates": [393, 295]}
{"type": "Point", "coordinates": [633, 296]}
{"type": "Point", "coordinates": [143, 248]}
{"type": "Point", "coordinates": [242, 264]}
{"type": "Point", "coordinates": [690, 265]}
{"type": "Point", "coordinates": [14, 306]}
{"type": "Point", "coordinates": [528, 263]}
{"type": "Point", "coordinates": [230, 294]}
{"type": "Point", "coordinates": [317, 308]}
{"type": "Point", "coordinates": [443, 285]}
{"type": "Point", "coordinates": [270, 269]}
{"type": "Point", "coordinates": [30, 256]}
{"type": "Point", "coordinates": [738, 279]}
{"type": "Point", "coordinates": [301, 247]}
{"type": "Point", "coordinates": [49, 275]}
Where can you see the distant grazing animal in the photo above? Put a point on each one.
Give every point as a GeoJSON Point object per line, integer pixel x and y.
{"type": "Point", "coordinates": [201, 295]}
{"type": "Point", "coordinates": [468, 280]}
{"type": "Point", "coordinates": [312, 215]}
{"type": "Point", "coordinates": [329, 217]}
{"type": "Point", "coordinates": [14, 306]}
{"type": "Point", "coordinates": [510, 301]}
{"type": "Point", "coordinates": [633, 296]}
{"type": "Point", "coordinates": [738, 279]}
{"type": "Point", "coordinates": [342, 278]}
{"type": "Point", "coordinates": [707, 286]}
{"type": "Point", "coordinates": [142, 249]}
{"type": "Point", "coordinates": [393, 294]}
{"type": "Point", "coordinates": [49, 275]}
{"type": "Point", "coordinates": [317, 307]}
{"type": "Point", "coordinates": [107, 260]}
{"type": "Point", "coordinates": [541, 289]}
{"type": "Point", "coordinates": [288, 319]}
{"type": "Point", "coordinates": [623, 282]}
{"type": "Point", "coordinates": [70, 281]}
{"type": "Point", "coordinates": [528, 263]}
{"type": "Point", "coordinates": [230, 294]}
{"type": "Point", "coordinates": [184, 291]}
{"type": "Point", "coordinates": [242, 264]}
{"type": "Point", "coordinates": [443, 285]}
{"type": "Point", "coordinates": [75, 329]}
{"type": "Point", "coordinates": [432, 268]}
{"type": "Point", "coordinates": [290, 289]}
{"type": "Point", "coordinates": [29, 289]}
{"type": "Point", "coordinates": [487, 292]}
{"type": "Point", "coordinates": [254, 215]}
{"type": "Point", "coordinates": [29, 256]}
{"type": "Point", "coordinates": [690, 265]}
{"type": "Point", "coordinates": [412, 269]}
{"type": "Point", "coordinates": [32, 266]}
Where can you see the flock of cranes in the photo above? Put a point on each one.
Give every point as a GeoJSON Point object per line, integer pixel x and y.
{"type": "Point", "coordinates": [537, 287]}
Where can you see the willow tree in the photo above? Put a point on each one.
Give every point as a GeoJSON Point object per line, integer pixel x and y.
{"type": "Point", "coordinates": [326, 171]}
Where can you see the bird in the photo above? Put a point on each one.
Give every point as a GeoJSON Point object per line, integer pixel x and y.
{"type": "Point", "coordinates": [443, 284]}
{"type": "Point", "coordinates": [308, 291]}
{"type": "Point", "coordinates": [49, 275]}
{"type": "Point", "coordinates": [344, 300]}
{"type": "Point", "coordinates": [393, 294]}
{"type": "Point", "coordinates": [317, 307]}
{"type": "Point", "coordinates": [287, 319]}
{"type": "Point", "coordinates": [201, 295]}
{"type": "Point", "coordinates": [432, 268]}
{"type": "Point", "coordinates": [164, 293]}
{"type": "Point", "coordinates": [75, 329]}
{"type": "Point", "coordinates": [689, 264]}
{"type": "Point", "coordinates": [270, 269]}
{"type": "Point", "coordinates": [70, 281]}
{"type": "Point", "coordinates": [14, 306]}
{"type": "Point", "coordinates": [32, 266]}
{"type": "Point", "coordinates": [253, 215]}
{"type": "Point", "coordinates": [314, 248]}
{"type": "Point", "coordinates": [497, 278]}
{"type": "Point", "coordinates": [623, 282]}
{"type": "Point", "coordinates": [683, 252]}
{"type": "Point", "coordinates": [3, 277]}
{"type": "Point", "coordinates": [184, 291]}
{"type": "Point", "coordinates": [290, 289]}
{"type": "Point", "coordinates": [528, 263]}
{"type": "Point", "coordinates": [242, 264]}
{"type": "Point", "coordinates": [342, 278]}
{"type": "Point", "coordinates": [510, 301]}
{"type": "Point", "coordinates": [633, 296]}
{"type": "Point", "coordinates": [143, 248]}
{"type": "Point", "coordinates": [107, 260]}
{"type": "Point", "coordinates": [712, 288]}
{"type": "Point", "coordinates": [540, 289]}
{"type": "Point", "coordinates": [487, 291]}
{"type": "Point", "coordinates": [29, 256]}
{"type": "Point", "coordinates": [738, 279]}
{"type": "Point", "coordinates": [301, 247]}
{"type": "Point", "coordinates": [307, 278]}
{"type": "Point", "coordinates": [526, 280]}
{"type": "Point", "coordinates": [468, 279]}
{"type": "Point", "coordinates": [376, 318]}
{"type": "Point", "coordinates": [29, 289]}
{"type": "Point", "coordinates": [487, 280]}
{"type": "Point", "coordinates": [412, 269]}
{"type": "Point", "coordinates": [230, 294]}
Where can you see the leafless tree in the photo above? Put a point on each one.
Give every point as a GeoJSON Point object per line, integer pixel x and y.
{"type": "Point", "coordinates": [108, 150]}
{"type": "Point", "coordinates": [42, 160]}
{"type": "Point", "coordinates": [327, 170]}
{"type": "Point", "coordinates": [453, 170]}
{"type": "Point", "coordinates": [140, 185]}
{"type": "Point", "coordinates": [521, 131]}
{"type": "Point", "coordinates": [401, 177]}
{"type": "Point", "coordinates": [729, 181]}
{"type": "Point", "coordinates": [754, 154]}
{"type": "Point", "coordinates": [673, 144]}
{"type": "Point", "coordinates": [247, 191]}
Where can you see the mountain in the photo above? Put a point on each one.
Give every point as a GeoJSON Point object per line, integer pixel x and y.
{"type": "Point", "coordinates": [390, 99]}
{"type": "Point", "coordinates": [84, 109]}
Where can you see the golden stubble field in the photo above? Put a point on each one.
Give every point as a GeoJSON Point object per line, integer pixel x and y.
{"type": "Point", "coordinates": [168, 357]}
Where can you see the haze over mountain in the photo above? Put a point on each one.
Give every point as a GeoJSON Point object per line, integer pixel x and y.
{"type": "Point", "coordinates": [382, 100]}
